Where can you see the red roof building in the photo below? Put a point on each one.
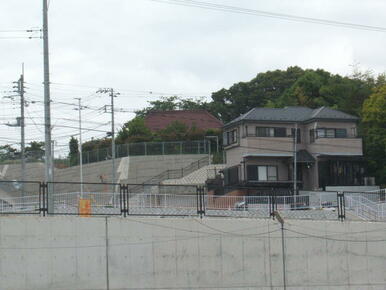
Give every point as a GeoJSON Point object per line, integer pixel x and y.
{"type": "Point", "coordinates": [201, 119]}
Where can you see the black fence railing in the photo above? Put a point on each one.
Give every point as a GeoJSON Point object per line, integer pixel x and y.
{"type": "Point", "coordinates": [95, 199]}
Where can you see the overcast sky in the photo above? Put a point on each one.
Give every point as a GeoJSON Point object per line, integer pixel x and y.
{"type": "Point", "coordinates": [141, 46]}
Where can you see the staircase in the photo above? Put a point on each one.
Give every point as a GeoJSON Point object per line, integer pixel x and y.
{"type": "Point", "coordinates": [365, 208]}
{"type": "Point", "coordinates": [197, 177]}
{"type": "Point", "coordinates": [172, 174]}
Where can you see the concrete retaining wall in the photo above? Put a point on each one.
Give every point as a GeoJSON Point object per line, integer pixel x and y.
{"type": "Point", "coordinates": [186, 253]}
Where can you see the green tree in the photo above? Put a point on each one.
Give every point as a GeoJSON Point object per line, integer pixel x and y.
{"type": "Point", "coordinates": [7, 152]}
{"type": "Point", "coordinates": [264, 90]}
{"type": "Point", "coordinates": [374, 129]}
{"type": "Point", "coordinates": [74, 151]}
{"type": "Point", "coordinates": [174, 103]}
{"type": "Point", "coordinates": [35, 150]}
{"type": "Point", "coordinates": [134, 130]}
{"type": "Point", "coordinates": [175, 131]}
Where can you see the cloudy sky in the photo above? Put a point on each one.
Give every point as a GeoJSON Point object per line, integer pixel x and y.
{"type": "Point", "coordinates": [145, 49]}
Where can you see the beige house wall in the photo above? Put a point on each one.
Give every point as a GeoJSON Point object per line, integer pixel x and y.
{"type": "Point", "coordinates": [352, 145]}
{"type": "Point", "coordinates": [252, 144]}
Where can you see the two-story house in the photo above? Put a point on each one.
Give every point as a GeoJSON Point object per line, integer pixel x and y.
{"type": "Point", "coordinates": [260, 148]}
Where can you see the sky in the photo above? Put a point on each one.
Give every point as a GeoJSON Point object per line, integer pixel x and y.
{"type": "Point", "coordinates": [145, 49]}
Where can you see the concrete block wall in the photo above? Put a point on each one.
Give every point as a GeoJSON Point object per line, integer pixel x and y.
{"type": "Point", "coordinates": [133, 169]}
{"type": "Point", "coordinates": [142, 168]}
{"type": "Point", "coordinates": [34, 171]}
{"type": "Point", "coordinates": [189, 253]}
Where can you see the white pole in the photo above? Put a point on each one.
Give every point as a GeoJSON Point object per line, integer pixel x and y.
{"type": "Point", "coordinates": [295, 157]}
{"type": "Point", "coordinates": [112, 137]}
{"type": "Point", "coordinates": [47, 109]}
{"type": "Point", "coordinates": [80, 147]}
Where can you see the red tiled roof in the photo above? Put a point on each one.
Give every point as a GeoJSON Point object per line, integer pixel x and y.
{"type": "Point", "coordinates": [200, 118]}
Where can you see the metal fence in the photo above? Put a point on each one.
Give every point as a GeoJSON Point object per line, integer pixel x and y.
{"type": "Point", "coordinates": [20, 197]}
{"type": "Point", "coordinates": [92, 199]}
{"type": "Point", "coordinates": [138, 149]}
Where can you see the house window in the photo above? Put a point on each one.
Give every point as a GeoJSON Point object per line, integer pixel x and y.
{"type": "Point", "coordinates": [272, 173]}
{"type": "Point", "coordinates": [340, 133]}
{"type": "Point", "coordinates": [298, 137]}
{"type": "Point", "coordinates": [261, 173]}
{"type": "Point", "coordinates": [331, 133]}
{"type": "Point", "coordinates": [230, 137]}
{"type": "Point", "coordinates": [312, 136]}
{"type": "Point", "coordinates": [321, 133]}
{"type": "Point", "coordinates": [265, 132]}
{"type": "Point", "coordinates": [270, 132]}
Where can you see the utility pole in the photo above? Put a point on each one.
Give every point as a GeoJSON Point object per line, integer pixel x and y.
{"type": "Point", "coordinates": [112, 136]}
{"type": "Point", "coordinates": [80, 147]}
{"type": "Point", "coordinates": [47, 109]}
{"type": "Point", "coordinates": [112, 95]}
{"type": "Point", "coordinates": [22, 127]}
{"type": "Point", "coordinates": [295, 157]}
{"type": "Point", "coordinates": [21, 122]}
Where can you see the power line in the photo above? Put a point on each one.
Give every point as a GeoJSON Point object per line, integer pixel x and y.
{"type": "Point", "coordinates": [336, 240]}
{"type": "Point", "coordinates": [334, 233]}
{"type": "Point", "coordinates": [261, 13]}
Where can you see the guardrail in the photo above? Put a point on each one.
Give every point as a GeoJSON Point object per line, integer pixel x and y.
{"type": "Point", "coordinates": [92, 199]}
{"type": "Point", "coordinates": [88, 199]}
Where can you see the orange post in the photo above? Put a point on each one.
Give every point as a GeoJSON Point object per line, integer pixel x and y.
{"type": "Point", "coordinates": [85, 207]}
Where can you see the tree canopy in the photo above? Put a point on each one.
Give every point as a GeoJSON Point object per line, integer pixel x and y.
{"type": "Point", "coordinates": [374, 133]}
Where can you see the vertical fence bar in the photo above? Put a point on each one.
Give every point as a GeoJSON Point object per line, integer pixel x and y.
{"type": "Point", "coordinates": [40, 198]}
{"type": "Point", "coordinates": [121, 199]}
{"type": "Point", "coordinates": [197, 192]}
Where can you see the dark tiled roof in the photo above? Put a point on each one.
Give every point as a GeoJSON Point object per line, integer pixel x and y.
{"type": "Point", "coordinates": [293, 114]}
{"type": "Point", "coordinates": [202, 119]}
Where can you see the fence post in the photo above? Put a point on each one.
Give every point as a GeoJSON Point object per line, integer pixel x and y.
{"type": "Point", "coordinates": [200, 201]}
{"type": "Point", "coordinates": [145, 147]}
{"type": "Point", "coordinates": [43, 198]}
{"type": "Point", "coordinates": [163, 148]}
{"type": "Point", "coordinates": [341, 206]}
{"type": "Point", "coordinates": [181, 147]}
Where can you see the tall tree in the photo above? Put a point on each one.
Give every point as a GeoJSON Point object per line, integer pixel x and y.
{"type": "Point", "coordinates": [7, 152]}
{"type": "Point", "coordinates": [374, 129]}
{"type": "Point", "coordinates": [35, 150]}
{"type": "Point", "coordinates": [134, 131]}
{"type": "Point", "coordinates": [264, 90]}
{"type": "Point", "coordinates": [74, 151]}
{"type": "Point", "coordinates": [174, 103]}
